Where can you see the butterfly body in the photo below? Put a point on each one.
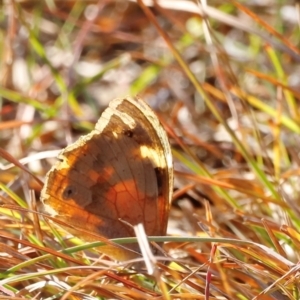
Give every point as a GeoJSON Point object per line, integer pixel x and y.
{"type": "Point", "coordinates": [118, 175]}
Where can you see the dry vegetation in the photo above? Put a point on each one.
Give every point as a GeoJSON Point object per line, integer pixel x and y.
{"type": "Point", "coordinates": [225, 82]}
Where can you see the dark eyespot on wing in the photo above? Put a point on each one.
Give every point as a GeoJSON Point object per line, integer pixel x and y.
{"type": "Point", "coordinates": [69, 192]}
{"type": "Point", "coordinates": [128, 133]}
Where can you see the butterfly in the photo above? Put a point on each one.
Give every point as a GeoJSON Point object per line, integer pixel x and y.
{"type": "Point", "coordinates": [117, 176]}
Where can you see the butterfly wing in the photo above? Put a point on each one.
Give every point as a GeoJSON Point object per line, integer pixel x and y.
{"type": "Point", "coordinates": [122, 170]}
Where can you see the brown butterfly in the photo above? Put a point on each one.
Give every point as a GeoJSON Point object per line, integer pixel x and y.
{"type": "Point", "coordinates": [119, 174]}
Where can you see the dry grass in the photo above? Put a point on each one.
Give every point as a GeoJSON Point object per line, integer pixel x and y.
{"type": "Point", "coordinates": [226, 88]}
